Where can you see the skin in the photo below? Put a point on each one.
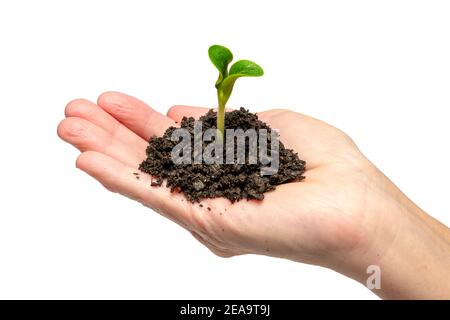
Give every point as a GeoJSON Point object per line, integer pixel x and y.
{"type": "Point", "coordinates": [346, 215]}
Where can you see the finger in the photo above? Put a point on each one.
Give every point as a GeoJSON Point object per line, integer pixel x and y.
{"type": "Point", "coordinates": [86, 136]}
{"type": "Point", "coordinates": [118, 177]}
{"type": "Point", "coordinates": [134, 114]}
{"type": "Point", "coordinates": [178, 112]}
{"type": "Point", "coordinates": [85, 109]}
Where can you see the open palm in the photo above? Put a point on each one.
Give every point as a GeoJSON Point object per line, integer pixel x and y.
{"type": "Point", "coordinates": [317, 220]}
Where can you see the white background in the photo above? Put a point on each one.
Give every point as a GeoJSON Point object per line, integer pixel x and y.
{"type": "Point", "coordinates": [379, 70]}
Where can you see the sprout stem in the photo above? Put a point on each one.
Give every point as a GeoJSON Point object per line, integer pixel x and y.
{"type": "Point", "coordinates": [221, 116]}
{"type": "Point", "coordinates": [221, 58]}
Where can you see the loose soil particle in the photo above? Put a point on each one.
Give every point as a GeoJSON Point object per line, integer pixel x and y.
{"type": "Point", "coordinates": [232, 181]}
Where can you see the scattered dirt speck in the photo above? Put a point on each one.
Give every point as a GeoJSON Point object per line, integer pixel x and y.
{"type": "Point", "coordinates": [158, 182]}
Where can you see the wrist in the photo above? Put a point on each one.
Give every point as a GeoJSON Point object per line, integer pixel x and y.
{"type": "Point", "coordinates": [410, 249]}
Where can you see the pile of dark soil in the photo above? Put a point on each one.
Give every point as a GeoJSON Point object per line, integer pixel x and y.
{"type": "Point", "coordinates": [232, 181]}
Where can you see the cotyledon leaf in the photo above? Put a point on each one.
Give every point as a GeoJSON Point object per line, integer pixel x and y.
{"type": "Point", "coordinates": [241, 68]}
{"type": "Point", "coordinates": [221, 58]}
{"type": "Point", "coordinates": [246, 68]}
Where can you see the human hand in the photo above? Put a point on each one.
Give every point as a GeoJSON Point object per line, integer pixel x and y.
{"type": "Point", "coordinates": [345, 215]}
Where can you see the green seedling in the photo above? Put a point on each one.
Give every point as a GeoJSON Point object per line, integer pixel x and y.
{"type": "Point", "coordinates": [221, 57]}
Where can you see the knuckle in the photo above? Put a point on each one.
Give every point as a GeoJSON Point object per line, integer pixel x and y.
{"type": "Point", "coordinates": [122, 111]}
{"type": "Point", "coordinates": [109, 187]}
{"type": "Point", "coordinates": [216, 249]}
{"type": "Point", "coordinates": [118, 107]}
{"type": "Point", "coordinates": [221, 254]}
{"type": "Point", "coordinates": [346, 137]}
{"type": "Point", "coordinates": [197, 220]}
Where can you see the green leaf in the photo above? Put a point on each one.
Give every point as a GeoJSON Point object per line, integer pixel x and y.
{"type": "Point", "coordinates": [220, 57]}
{"type": "Point", "coordinates": [241, 68]}
{"type": "Point", "coordinates": [246, 68]}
